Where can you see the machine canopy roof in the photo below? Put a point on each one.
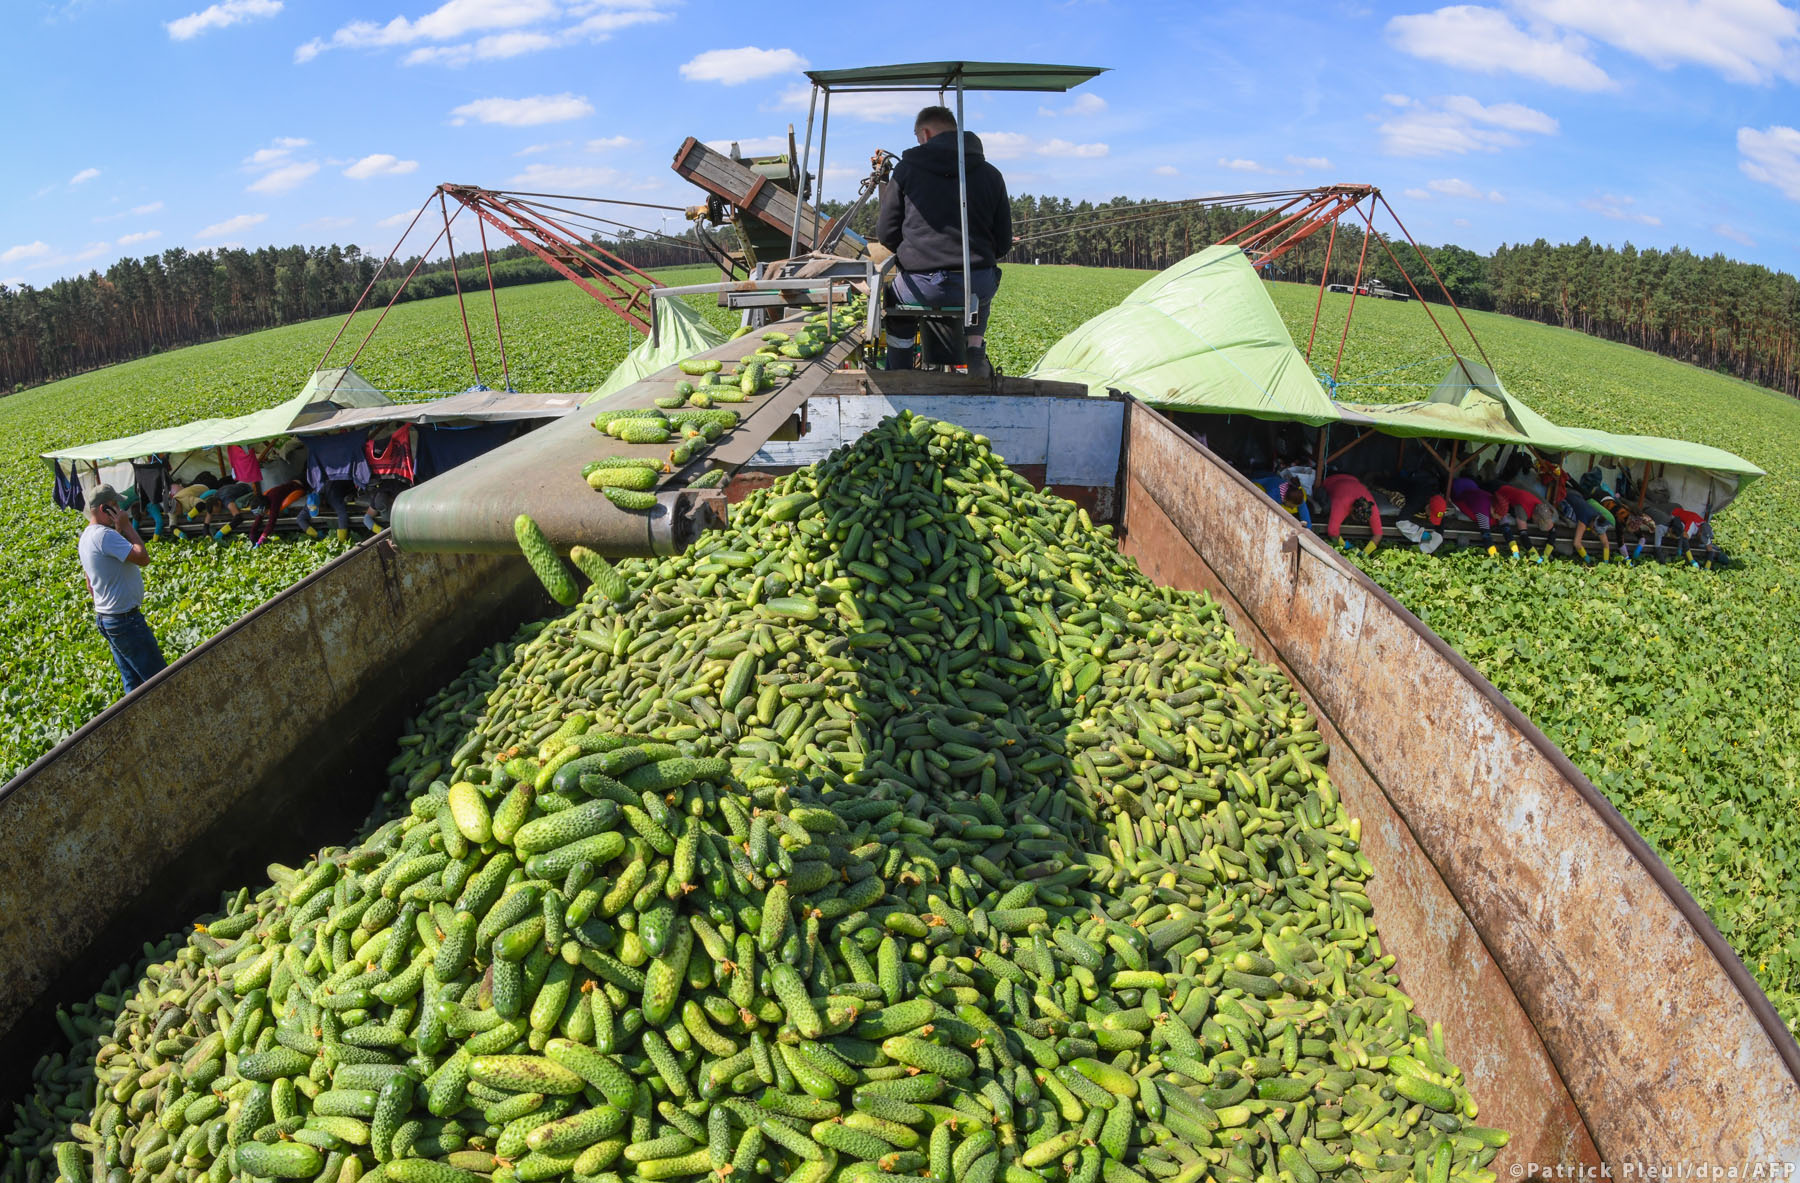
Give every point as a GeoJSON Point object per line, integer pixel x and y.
{"type": "Point", "coordinates": [943, 76]}
{"type": "Point", "coordinates": [1469, 403]}
{"type": "Point", "coordinates": [1658, 450]}
{"type": "Point", "coordinates": [474, 406]}
{"type": "Point", "coordinates": [325, 392]}
{"type": "Point", "coordinates": [1202, 335]}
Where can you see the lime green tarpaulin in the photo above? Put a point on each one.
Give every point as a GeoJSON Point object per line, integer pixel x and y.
{"type": "Point", "coordinates": [681, 332]}
{"type": "Point", "coordinates": [325, 392]}
{"type": "Point", "coordinates": [1469, 404]}
{"type": "Point", "coordinates": [1201, 336]}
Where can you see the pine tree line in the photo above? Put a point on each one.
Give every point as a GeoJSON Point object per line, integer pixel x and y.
{"type": "Point", "coordinates": [1738, 318]}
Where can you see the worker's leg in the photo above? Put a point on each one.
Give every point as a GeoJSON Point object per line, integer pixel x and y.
{"type": "Point", "coordinates": [337, 495]}
{"type": "Point", "coordinates": [157, 521]}
{"type": "Point", "coordinates": [985, 282]}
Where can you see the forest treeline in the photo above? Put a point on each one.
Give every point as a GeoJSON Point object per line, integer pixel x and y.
{"type": "Point", "coordinates": [1709, 310]}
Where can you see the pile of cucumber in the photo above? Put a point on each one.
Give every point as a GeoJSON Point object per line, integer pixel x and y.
{"type": "Point", "coordinates": [900, 829]}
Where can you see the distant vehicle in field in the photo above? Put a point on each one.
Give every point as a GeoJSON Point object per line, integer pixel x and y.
{"type": "Point", "coordinates": [1373, 287]}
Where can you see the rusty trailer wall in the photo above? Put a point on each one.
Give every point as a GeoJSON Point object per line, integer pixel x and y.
{"type": "Point", "coordinates": [259, 745]}
{"type": "Point", "coordinates": [1596, 1010]}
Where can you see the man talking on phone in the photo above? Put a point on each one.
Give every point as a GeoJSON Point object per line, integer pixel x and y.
{"type": "Point", "coordinates": [112, 558]}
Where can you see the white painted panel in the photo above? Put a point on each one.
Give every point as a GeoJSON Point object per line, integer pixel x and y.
{"type": "Point", "coordinates": [1086, 438]}
{"type": "Point", "coordinates": [824, 434]}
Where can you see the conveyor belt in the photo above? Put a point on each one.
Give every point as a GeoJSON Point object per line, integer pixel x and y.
{"type": "Point", "coordinates": [472, 509]}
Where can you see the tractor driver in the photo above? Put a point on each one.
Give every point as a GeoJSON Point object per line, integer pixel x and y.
{"type": "Point", "coordinates": [921, 222]}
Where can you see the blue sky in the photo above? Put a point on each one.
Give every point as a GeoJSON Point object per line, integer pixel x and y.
{"type": "Point", "coordinates": [141, 125]}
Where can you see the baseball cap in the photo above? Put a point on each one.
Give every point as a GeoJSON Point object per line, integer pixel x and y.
{"type": "Point", "coordinates": [102, 495]}
{"type": "Point", "coordinates": [1434, 509]}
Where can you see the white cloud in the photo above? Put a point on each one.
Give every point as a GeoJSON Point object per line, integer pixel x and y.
{"type": "Point", "coordinates": [28, 250]}
{"type": "Point", "coordinates": [608, 143]}
{"type": "Point", "coordinates": [1166, 170]}
{"type": "Point", "coordinates": [1487, 41]}
{"type": "Point", "coordinates": [1771, 156]}
{"type": "Point", "coordinates": [220, 16]}
{"type": "Point", "coordinates": [230, 226]}
{"type": "Point", "coordinates": [328, 223]}
{"type": "Point", "coordinates": [280, 151]}
{"type": "Point", "coordinates": [534, 149]}
{"type": "Point", "coordinates": [753, 146]}
{"type": "Point", "coordinates": [1396, 100]}
{"type": "Point", "coordinates": [1005, 145]}
{"type": "Point", "coordinates": [1240, 164]}
{"type": "Point", "coordinates": [1511, 116]}
{"type": "Point", "coordinates": [283, 179]}
{"type": "Point", "coordinates": [381, 164]}
{"type": "Point", "coordinates": [92, 250]}
{"type": "Point", "coordinates": [140, 236]}
{"type": "Point", "coordinates": [601, 26]}
{"type": "Point", "coordinates": [85, 175]}
{"type": "Point", "coordinates": [399, 219]}
{"type": "Point", "coordinates": [526, 112]}
{"type": "Point", "coordinates": [567, 176]}
{"type": "Point", "coordinates": [493, 48]}
{"type": "Point", "coordinates": [12, 281]}
{"type": "Point", "coordinates": [732, 67]}
{"type": "Point", "coordinates": [1309, 162]}
{"type": "Point", "coordinates": [1619, 209]}
{"type": "Point", "coordinates": [1456, 187]}
{"type": "Point", "coordinates": [1087, 103]}
{"type": "Point", "coordinates": [148, 207]}
{"type": "Point", "coordinates": [1012, 145]}
{"type": "Point", "coordinates": [1066, 149]}
{"type": "Point", "coordinates": [1419, 194]}
{"type": "Point", "coordinates": [1734, 234]}
{"type": "Point", "coordinates": [1745, 40]}
{"type": "Point", "coordinates": [870, 107]}
{"type": "Point", "coordinates": [1461, 222]}
{"type": "Point", "coordinates": [1458, 124]}
{"type": "Point", "coordinates": [449, 22]}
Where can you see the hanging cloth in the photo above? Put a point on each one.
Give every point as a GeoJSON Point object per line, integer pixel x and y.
{"type": "Point", "coordinates": [244, 464]}
{"type": "Point", "coordinates": [151, 479]}
{"type": "Point", "coordinates": [392, 457]}
{"type": "Point", "coordinates": [444, 446]}
{"type": "Point", "coordinates": [338, 456]}
{"type": "Point", "coordinates": [68, 493]}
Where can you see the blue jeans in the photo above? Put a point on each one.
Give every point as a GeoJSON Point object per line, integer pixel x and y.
{"type": "Point", "coordinates": [133, 645]}
{"type": "Point", "coordinates": [938, 289]}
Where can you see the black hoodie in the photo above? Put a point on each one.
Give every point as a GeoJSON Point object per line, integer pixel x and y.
{"type": "Point", "coordinates": [920, 218]}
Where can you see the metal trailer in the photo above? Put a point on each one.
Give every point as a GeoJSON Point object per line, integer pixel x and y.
{"type": "Point", "coordinates": [1596, 1010]}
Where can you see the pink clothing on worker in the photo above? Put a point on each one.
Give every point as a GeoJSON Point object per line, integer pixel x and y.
{"type": "Point", "coordinates": [1343, 491]}
{"type": "Point", "coordinates": [244, 465]}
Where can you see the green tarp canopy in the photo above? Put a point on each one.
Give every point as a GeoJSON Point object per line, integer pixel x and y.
{"type": "Point", "coordinates": [681, 332]}
{"type": "Point", "coordinates": [1202, 335]}
{"type": "Point", "coordinates": [326, 391]}
{"type": "Point", "coordinates": [943, 76]}
{"type": "Point", "coordinates": [1468, 404]}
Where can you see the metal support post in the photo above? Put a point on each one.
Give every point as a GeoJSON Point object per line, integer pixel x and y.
{"type": "Point", "coordinates": [800, 177]}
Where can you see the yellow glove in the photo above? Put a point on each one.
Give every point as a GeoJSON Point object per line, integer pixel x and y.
{"type": "Point", "coordinates": [1493, 552]}
{"type": "Point", "coordinates": [1370, 549]}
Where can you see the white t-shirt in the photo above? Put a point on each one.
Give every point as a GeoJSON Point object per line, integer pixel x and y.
{"type": "Point", "coordinates": [118, 585]}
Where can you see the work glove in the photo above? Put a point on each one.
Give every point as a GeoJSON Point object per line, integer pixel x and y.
{"type": "Point", "coordinates": [1370, 549]}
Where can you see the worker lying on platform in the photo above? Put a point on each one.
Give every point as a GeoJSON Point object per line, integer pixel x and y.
{"type": "Point", "coordinates": [1290, 493]}
{"type": "Point", "coordinates": [1522, 508]}
{"type": "Point", "coordinates": [1347, 497]}
{"type": "Point", "coordinates": [921, 222]}
{"type": "Point", "coordinates": [1585, 512]}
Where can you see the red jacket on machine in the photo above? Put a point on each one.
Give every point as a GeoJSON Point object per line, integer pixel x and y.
{"type": "Point", "coordinates": [1343, 491]}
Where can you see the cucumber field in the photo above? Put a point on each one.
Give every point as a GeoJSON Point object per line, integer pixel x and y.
{"type": "Point", "coordinates": [1667, 686]}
